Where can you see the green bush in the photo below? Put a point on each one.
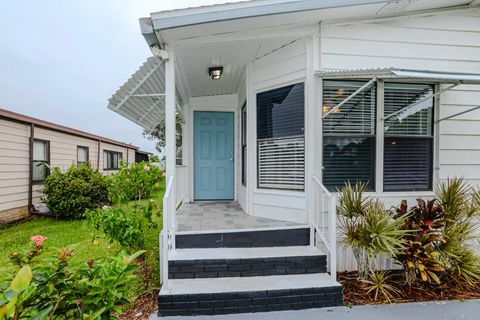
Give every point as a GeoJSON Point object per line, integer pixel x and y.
{"type": "Point", "coordinates": [59, 290]}
{"type": "Point", "coordinates": [69, 194]}
{"type": "Point", "coordinates": [127, 224]}
{"type": "Point", "coordinates": [135, 182]}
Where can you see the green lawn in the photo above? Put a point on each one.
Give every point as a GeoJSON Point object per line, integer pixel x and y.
{"type": "Point", "coordinates": [76, 233]}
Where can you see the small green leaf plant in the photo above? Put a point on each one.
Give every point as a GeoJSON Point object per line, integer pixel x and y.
{"type": "Point", "coordinates": [57, 289]}
{"type": "Point", "coordinates": [126, 224]}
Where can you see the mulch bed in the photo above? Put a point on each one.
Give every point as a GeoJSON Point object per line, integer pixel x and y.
{"type": "Point", "coordinates": [144, 306]}
{"type": "Point", "coordinates": [355, 291]}
{"type": "Point", "coordinates": [146, 303]}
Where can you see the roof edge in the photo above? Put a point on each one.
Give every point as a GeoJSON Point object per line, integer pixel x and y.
{"type": "Point", "coordinates": [10, 115]}
{"type": "Point", "coordinates": [247, 9]}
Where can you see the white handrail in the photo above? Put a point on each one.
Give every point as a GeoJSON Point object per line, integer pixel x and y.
{"type": "Point", "coordinates": [327, 232]}
{"type": "Point", "coordinates": [167, 234]}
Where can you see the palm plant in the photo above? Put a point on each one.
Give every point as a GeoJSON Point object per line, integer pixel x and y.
{"type": "Point", "coordinates": [369, 229]}
{"type": "Point", "coordinates": [379, 284]}
{"type": "Point", "coordinates": [459, 250]}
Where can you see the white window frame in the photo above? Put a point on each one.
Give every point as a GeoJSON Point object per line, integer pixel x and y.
{"type": "Point", "coordinates": [380, 137]}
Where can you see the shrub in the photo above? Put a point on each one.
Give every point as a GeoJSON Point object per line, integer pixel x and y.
{"type": "Point", "coordinates": [370, 230]}
{"type": "Point", "coordinates": [69, 194]}
{"type": "Point", "coordinates": [420, 256]}
{"type": "Point", "coordinates": [135, 182]}
{"type": "Point", "coordinates": [127, 224]}
{"type": "Point", "coordinates": [58, 290]}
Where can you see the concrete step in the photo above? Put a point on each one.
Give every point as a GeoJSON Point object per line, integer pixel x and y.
{"type": "Point", "coordinates": [252, 238]}
{"type": "Point", "coordinates": [245, 262]}
{"type": "Point", "coordinates": [248, 294]}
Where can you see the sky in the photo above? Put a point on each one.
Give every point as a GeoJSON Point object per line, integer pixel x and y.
{"type": "Point", "coordinates": [60, 61]}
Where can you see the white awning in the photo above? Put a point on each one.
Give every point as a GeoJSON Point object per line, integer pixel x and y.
{"type": "Point", "coordinates": [403, 74]}
{"type": "Point", "coordinates": [142, 98]}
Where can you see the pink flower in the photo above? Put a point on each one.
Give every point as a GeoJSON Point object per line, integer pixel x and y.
{"type": "Point", "coordinates": [164, 173]}
{"type": "Point", "coordinates": [38, 240]}
{"type": "Point", "coordinates": [146, 167]}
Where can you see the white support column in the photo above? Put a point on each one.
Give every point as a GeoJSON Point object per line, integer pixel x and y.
{"type": "Point", "coordinates": [170, 127]}
{"type": "Point", "coordinates": [310, 125]}
{"type": "Point", "coordinates": [251, 140]}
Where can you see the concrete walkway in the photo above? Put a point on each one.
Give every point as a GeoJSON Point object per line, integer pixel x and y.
{"type": "Point", "coordinates": [450, 310]}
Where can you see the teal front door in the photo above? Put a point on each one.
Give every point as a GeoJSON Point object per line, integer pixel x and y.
{"type": "Point", "coordinates": [213, 156]}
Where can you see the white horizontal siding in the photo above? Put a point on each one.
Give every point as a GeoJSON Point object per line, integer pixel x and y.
{"type": "Point", "coordinates": [282, 67]}
{"type": "Point", "coordinates": [443, 41]}
{"type": "Point", "coordinates": [63, 148]}
{"type": "Point", "coordinates": [14, 159]}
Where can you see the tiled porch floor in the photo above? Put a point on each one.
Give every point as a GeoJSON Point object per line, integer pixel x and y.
{"type": "Point", "coordinates": [202, 216]}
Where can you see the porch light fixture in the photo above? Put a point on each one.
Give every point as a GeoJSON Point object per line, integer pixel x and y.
{"type": "Point", "coordinates": [215, 72]}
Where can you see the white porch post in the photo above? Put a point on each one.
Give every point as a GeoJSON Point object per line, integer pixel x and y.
{"type": "Point", "coordinates": [170, 127]}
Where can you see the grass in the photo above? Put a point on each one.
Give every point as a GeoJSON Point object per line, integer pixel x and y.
{"type": "Point", "coordinates": [78, 234]}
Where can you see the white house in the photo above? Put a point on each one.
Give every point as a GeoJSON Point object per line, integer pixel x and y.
{"type": "Point", "coordinates": [281, 103]}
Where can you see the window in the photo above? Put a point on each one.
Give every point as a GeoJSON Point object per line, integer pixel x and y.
{"type": "Point", "coordinates": [280, 138]}
{"type": "Point", "coordinates": [82, 155]}
{"type": "Point", "coordinates": [111, 160]}
{"type": "Point", "coordinates": [244, 143]}
{"type": "Point", "coordinates": [41, 160]}
{"type": "Point", "coordinates": [408, 149]}
{"type": "Point", "coordinates": [348, 134]}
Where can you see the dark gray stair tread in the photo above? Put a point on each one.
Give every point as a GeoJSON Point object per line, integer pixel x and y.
{"type": "Point", "coordinates": [273, 237]}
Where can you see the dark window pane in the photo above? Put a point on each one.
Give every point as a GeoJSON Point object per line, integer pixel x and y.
{"type": "Point", "coordinates": [348, 159]}
{"type": "Point", "coordinates": [281, 146]}
{"type": "Point", "coordinates": [408, 164]}
{"type": "Point", "coordinates": [280, 112]}
{"type": "Point", "coordinates": [348, 134]}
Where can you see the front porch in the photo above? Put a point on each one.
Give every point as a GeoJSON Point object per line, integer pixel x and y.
{"type": "Point", "coordinates": [222, 216]}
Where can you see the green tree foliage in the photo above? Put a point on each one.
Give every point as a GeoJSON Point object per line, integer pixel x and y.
{"type": "Point", "coordinates": [134, 182]}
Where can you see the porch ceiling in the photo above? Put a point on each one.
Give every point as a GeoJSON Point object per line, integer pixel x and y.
{"type": "Point", "coordinates": [193, 63]}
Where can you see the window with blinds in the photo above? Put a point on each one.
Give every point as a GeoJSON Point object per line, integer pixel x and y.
{"type": "Point", "coordinates": [82, 155]}
{"type": "Point", "coordinates": [408, 149]}
{"type": "Point", "coordinates": [280, 138]}
{"type": "Point", "coordinates": [41, 160]}
{"type": "Point", "coordinates": [348, 134]}
{"type": "Point", "coordinates": [111, 160]}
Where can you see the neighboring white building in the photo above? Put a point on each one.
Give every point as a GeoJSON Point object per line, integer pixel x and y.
{"type": "Point", "coordinates": [312, 93]}
{"type": "Point", "coordinates": [26, 142]}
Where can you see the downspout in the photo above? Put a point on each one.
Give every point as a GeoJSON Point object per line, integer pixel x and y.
{"type": "Point", "coordinates": [98, 156]}
{"type": "Point", "coordinates": [31, 208]}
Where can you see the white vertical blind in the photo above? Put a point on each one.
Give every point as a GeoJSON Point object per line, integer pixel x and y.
{"type": "Point", "coordinates": [82, 154]}
{"type": "Point", "coordinates": [40, 158]}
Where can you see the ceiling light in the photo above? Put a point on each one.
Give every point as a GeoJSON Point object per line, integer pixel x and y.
{"type": "Point", "coordinates": [215, 72]}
